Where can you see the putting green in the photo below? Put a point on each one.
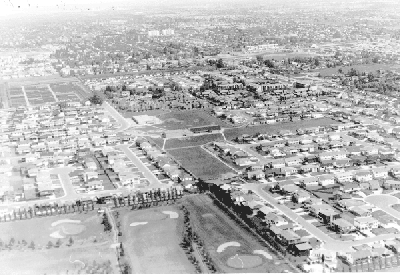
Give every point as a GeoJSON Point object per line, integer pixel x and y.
{"type": "Point", "coordinates": [244, 261]}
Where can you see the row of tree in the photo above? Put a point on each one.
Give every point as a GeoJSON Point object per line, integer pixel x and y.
{"type": "Point", "coordinates": [242, 214]}
{"type": "Point", "coordinates": [147, 199]}
{"type": "Point", "coordinates": [47, 210]}
{"type": "Point", "coordinates": [191, 241]}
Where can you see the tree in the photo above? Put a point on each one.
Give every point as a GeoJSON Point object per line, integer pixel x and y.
{"type": "Point", "coordinates": [32, 245]}
{"type": "Point", "coordinates": [95, 99]}
{"type": "Point", "coordinates": [260, 58]}
{"type": "Point", "coordinates": [269, 63]}
{"type": "Point", "coordinates": [49, 244]}
{"type": "Point", "coordinates": [71, 241]}
{"type": "Point", "coordinates": [58, 243]}
{"type": "Point", "coordinates": [220, 63]}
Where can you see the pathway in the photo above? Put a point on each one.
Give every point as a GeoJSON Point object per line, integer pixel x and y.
{"type": "Point", "coordinates": [26, 97]}
{"type": "Point", "coordinates": [52, 92]}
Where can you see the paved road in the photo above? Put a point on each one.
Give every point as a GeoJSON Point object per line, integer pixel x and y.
{"type": "Point", "coordinates": [125, 124]}
{"type": "Point", "coordinates": [26, 97]}
{"type": "Point", "coordinates": [154, 181]}
{"type": "Point", "coordinates": [329, 243]}
{"type": "Point", "coordinates": [52, 92]}
{"type": "Point", "coordinates": [384, 202]}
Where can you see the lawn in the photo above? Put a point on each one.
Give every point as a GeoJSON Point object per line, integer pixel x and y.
{"type": "Point", "coordinates": [215, 228]}
{"type": "Point", "coordinates": [151, 240]}
{"type": "Point", "coordinates": [199, 162]}
{"type": "Point", "coordinates": [191, 141]}
{"type": "Point", "coordinates": [230, 134]}
{"type": "Point", "coordinates": [187, 119]}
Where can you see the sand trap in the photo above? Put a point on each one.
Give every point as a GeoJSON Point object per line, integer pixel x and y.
{"type": "Point", "coordinates": [244, 261]}
{"type": "Point", "coordinates": [207, 215]}
{"type": "Point", "coordinates": [172, 215]}
{"type": "Point", "coordinates": [137, 223]}
{"type": "Point", "coordinates": [264, 253]}
{"type": "Point", "coordinates": [222, 247]}
{"type": "Point", "coordinates": [65, 221]}
{"type": "Point", "coordinates": [57, 235]}
{"type": "Point", "coordinates": [115, 245]}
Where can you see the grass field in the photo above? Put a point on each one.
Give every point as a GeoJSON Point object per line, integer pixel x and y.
{"type": "Point", "coordinates": [199, 162]}
{"type": "Point", "coordinates": [191, 141]}
{"type": "Point", "coordinates": [274, 128]}
{"type": "Point", "coordinates": [215, 228]}
{"type": "Point", "coordinates": [91, 246]}
{"type": "Point", "coordinates": [68, 91]}
{"type": "Point", "coordinates": [362, 68]}
{"type": "Point", "coordinates": [187, 119]}
{"type": "Point", "coordinates": [151, 240]}
{"type": "Point", "coordinates": [92, 259]}
{"type": "Point", "coordinates": [40, 229]}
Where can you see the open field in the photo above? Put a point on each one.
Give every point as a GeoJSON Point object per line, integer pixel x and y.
{"type": "Point", "coordinates": [38, 94]}
{"type": "Point", "coordinates": [68, 91]}
{"type": "Point", "coordinates": [199, 162]}
{"type": "Point", "coordinates": [218, 231]}
{"type": "Point", "coordinates": [40, 80]}
{"type": "Point", "coordinates": [274, 128]}
{"type": "Point", "coordinates": [151, 239]}
{"type": "Point", "coordinates": [192, 141]}
{"type": "Point", "coordinates": [128, 114]}
{"type": "Point", "coordinates": [362, 68]}
{"type": "Point", "coordinates": [187, 119]}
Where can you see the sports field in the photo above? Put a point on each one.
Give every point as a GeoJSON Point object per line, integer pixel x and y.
{"type": "Point", "coordinates": [187, 119]}
{"type": "Point", "coordinates": [200, 163]}
{"type": "Point", "coordinates": [151, 239]}
{"type": "Point", "coordinates": [232, 248]}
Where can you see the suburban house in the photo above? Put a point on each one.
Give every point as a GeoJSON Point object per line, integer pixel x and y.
{"type": "Point", "coordinates": [365, 223]}
{"type": "Point", "coordinates": [342, 226]}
